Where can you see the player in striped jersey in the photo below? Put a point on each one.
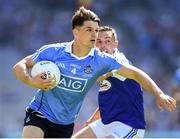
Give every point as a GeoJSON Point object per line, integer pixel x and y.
{"type": "Point", "coordinates": [120, 100]}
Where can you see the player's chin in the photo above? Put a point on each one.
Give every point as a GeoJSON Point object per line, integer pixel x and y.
{"type": "Point", "coordinates": [91, 45]}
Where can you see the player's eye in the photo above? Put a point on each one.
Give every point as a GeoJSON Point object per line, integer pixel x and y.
{"type": "Point", "coordinates": [98, 41]}
{"type": "Point", "coordinates": [89, 29]}
{"type": "Point", "coordinates": [107, 41]}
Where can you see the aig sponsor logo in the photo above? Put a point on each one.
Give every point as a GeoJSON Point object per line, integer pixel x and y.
{"type": "Point", "coordinates": [72, 83]}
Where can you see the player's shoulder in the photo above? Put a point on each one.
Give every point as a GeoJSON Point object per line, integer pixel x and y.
{"type": "Point", "coordinates": [55, 46]}
{"type": "Point", "coordinates": [121, 58]}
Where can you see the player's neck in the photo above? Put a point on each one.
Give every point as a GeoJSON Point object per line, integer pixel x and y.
{"type": "Point", "coordinates": [80, 50]}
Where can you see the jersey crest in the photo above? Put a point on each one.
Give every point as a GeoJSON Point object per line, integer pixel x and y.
{"type": "Point", "coordinates": [105, 85]}
{"type": "Point", "coordinates": [88, 69]}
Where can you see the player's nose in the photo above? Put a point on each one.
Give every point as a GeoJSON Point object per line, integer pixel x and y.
{"type": "Point", "coordinates": [94, 34]}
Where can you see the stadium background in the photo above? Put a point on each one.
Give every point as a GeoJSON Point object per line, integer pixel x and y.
{"type": "Point", "coordinates": [149, 35]}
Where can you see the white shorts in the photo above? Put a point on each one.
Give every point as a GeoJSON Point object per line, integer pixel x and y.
{"type": "Point", "coordinates": [116, 130]}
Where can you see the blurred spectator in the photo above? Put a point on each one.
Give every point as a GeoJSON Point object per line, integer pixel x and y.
{"type": "Point", "coordinates": [176, 93]}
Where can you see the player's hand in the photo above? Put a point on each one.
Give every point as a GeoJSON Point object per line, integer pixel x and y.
{"type": "Point", "coordinates": [42, 82]}
{"type": "Point", "coordinates": [165, 102]}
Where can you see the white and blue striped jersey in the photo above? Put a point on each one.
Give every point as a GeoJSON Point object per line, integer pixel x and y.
{"type": "Point", "coordinates": [121, 99]}
{"type": "Point", "coordinates": [62, 104]}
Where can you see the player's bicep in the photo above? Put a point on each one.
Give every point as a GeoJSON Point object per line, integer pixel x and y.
{"type": "Point", "coordinates": [25, 62]}
{"type": "Point", "coordinates": [105, 76]}
{"type": "Point", "coordinates": [20, 69]}
{"type": "Point", "coordinates": [29, 61]}
{"type": "Point", "coordinates": [127, 71]}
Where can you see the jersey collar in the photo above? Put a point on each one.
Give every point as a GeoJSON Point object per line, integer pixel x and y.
{"type": "Point", "coordinates": [68, 49]}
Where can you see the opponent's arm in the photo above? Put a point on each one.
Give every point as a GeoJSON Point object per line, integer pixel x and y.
{"type": "Point", "coordinates": [103, 77]}
{"type": "Point", "coordinates": [163, 101]}
{"type": "Point", "coordinates": [21, 71]}
{"type": "Point", "coordinates": [95, 116]}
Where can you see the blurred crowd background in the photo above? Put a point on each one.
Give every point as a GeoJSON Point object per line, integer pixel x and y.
{"type": "Point", "coordinates": [149, 35]}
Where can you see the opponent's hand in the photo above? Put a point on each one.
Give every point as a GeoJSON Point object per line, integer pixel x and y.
{"type": "Point", "coordinates": [40, 81]}
{"type": "Point", "coordinates": [164, 101]}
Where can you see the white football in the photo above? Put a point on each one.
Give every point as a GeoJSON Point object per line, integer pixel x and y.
{"type": "Point", "coordinates": [50, 69]}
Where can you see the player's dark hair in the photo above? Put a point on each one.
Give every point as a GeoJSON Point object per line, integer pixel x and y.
{"type": "Point", "coordinates": [107, 28]}
{"type": "Point", "coordinates": [83, 15]}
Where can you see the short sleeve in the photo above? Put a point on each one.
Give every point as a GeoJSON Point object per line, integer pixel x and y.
{"type": "Point", "coordinates": [46, 52]}
{"type": "Point", "coordinates": [113, 64]}
{"type": "Point", "coordinates": [121, 58]}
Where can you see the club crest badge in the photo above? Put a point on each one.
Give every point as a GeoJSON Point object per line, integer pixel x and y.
{"type": "Point", "coordinates": [88, 69]}
{"type": "Point", "coordinates": [105, 85]}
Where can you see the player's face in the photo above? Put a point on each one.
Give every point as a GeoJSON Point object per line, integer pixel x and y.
{"type": "Point", "coordinates": [86, 35]}
{"type": "Point", "coordinates": [106, 42]}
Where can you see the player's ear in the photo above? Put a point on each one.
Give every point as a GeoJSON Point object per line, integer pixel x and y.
{"type": "Point", "coordinates": [75, 32]}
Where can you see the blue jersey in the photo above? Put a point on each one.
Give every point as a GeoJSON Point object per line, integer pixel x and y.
{"type": "Point", "coordinates": [121, 99]}
{"type": "Point", "coordinates": [61, 104]}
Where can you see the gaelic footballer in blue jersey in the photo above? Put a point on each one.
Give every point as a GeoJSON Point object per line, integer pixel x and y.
{"type": "Point", "coordinates": [52, 113]}
{"type": "Point", "coordinates": [121, 112]}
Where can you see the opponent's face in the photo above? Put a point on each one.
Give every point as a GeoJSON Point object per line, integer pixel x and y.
{"type": "Point", "coordinates": [106, 42]}
{"type": "Point", "coordinates": [86, 35]}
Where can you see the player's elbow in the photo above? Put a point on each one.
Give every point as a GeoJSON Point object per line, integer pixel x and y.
{"type": "Point", "coordinates": [15, 69]}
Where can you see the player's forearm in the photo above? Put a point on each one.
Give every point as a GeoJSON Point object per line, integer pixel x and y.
{"type": "Point", "coordinates": [21, 72]}
{"type": "Point", "coordinates": [147, 83]}
{"type": "Point", "coordinates": [142, 78]}
{"type": "Point", "coordinates": [94, 117]}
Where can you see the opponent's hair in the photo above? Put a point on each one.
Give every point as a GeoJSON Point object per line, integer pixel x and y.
{"type": "Point", "coordinates": [83, 15]}
{"type": "Point", "coordinates": [107, 28]}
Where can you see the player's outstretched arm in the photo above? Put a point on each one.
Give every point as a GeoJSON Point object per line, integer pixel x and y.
{"type": "Point", "coordinates": [21, 71]}
{"type": "Point", "coordinates": [95, 116]}
{"type": "Point", "coordinates": [163, 101]}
